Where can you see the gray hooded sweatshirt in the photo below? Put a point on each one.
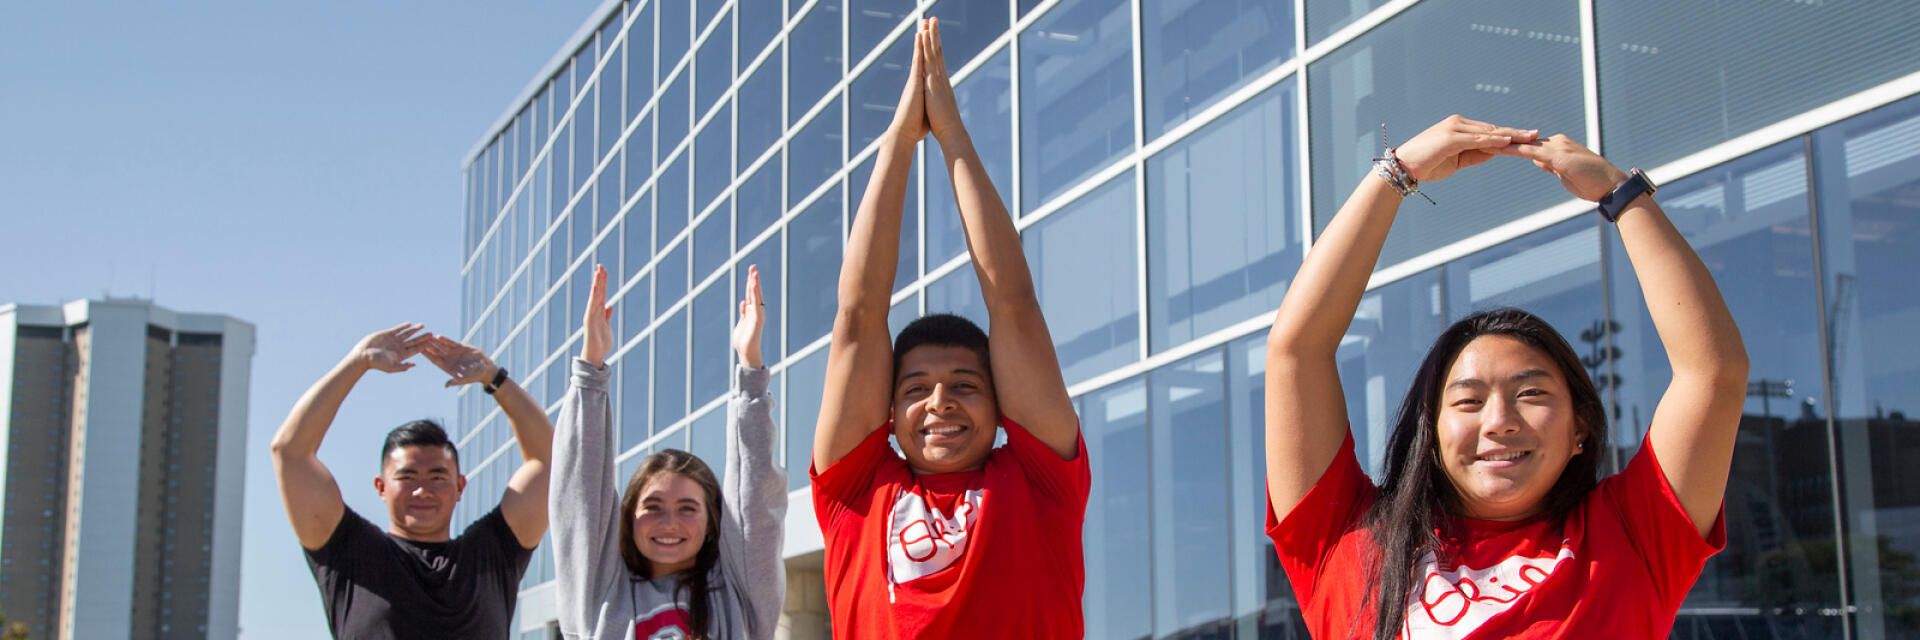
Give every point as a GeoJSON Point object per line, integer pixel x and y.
{"type": "Point", "coordinates": [596, 595]}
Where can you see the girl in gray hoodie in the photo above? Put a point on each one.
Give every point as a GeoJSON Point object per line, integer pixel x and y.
{"type": "Point", "coordinates": [677, 555]}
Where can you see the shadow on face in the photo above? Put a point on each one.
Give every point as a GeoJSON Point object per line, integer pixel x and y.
{"type": "Point", "coordinates": [420, 484]}
{"type": "Point", "coordinates": [1506, 427]}
{"type": "Point", "coordinates": [670, 523]}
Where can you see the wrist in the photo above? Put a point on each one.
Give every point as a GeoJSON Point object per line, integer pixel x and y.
{"type": "Point", "coordinates": [953, 140]}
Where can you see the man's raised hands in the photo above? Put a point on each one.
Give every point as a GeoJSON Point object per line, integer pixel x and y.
{"type": "Point", "coordinates": [943, 111]}
{"type": "Point", "coordinates": [465, 363]}
{"type": "Point", "coordinates": [389, 350]}
{"type": "Point", "coordinates": [910, 117]}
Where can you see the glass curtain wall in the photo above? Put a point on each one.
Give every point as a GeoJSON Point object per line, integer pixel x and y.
{"type": "Point", "coordinates": [1167, 164]}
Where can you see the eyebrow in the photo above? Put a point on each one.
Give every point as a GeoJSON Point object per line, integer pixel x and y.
{"type": "Point", "coordinates": [915, 374]}
{"type": "Point", "coordinates": [1522, 376]}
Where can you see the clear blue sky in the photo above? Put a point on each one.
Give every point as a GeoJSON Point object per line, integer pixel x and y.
{"type": "Point", "coordinates": [296, 165]}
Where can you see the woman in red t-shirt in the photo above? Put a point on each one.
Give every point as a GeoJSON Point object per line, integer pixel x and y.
{"type": "Point", "coordinates": [1491, 521]}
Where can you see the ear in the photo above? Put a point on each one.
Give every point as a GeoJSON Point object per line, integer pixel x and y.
{"type": "Point", "coordinates": [459, 486]}
{"type": "Point", "coordinates": [380, 486]}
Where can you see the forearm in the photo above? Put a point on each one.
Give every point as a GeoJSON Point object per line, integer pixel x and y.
{"type": "Point", "coordinates": [313, 414]}
{"type": "Point", "coordinates": [873, 246]}
{"type": "Point", "coordinates": [1688, 312]}
{"type": "Point", "coordinates": [529, 422]}
{"type": "Point", "coordinates": [991, 237]}
{"type": "Point", "coordinates": [1320, 303]}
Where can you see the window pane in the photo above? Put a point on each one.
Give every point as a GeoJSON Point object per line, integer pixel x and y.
{"type": "Point", "coordinates": [639, 237]}
{"type": "Point", "coordinates": [711, 246]}
{"type": "Point", "coordinates": [1084, 271]}
{"type": "Point", "coordinates": [639, 156]}
{"type": "Point", "coordinates": [640, 62]}
{"type": "Point", "coordinates": [813, 153]}
{"type": "Point", "coordinates": [902, 313]}
{"type": "Point", "coordinates": [876, 93]}
{"type": "Point", "coordinates": [1390, 333]}
{"type": "Point", "coordinates": [1327, 16]}
{"type": "Point", "coordinates": [1119, 594]}
{"type": "Point", "coordinates": [958, 293]}
{"type": "Point", "coordinates": [707, 439]}
{"type": "Point", "coordinates": [712, 323]}
{"type": "Point", "coordinates": [715, 66]}
{"type": "Point", "coordinates": [1869, 189]}
{"type": "Point", "coordinates": [706, 10]}
{"type": "Point", "coordinates": [871, 20]}
{"type": "Point", "coordinates": [1191, 539]}
{"type": "Point", "coordinates": [907, 269]}
{"type": "Point", "coordinates": [636, 308]}
{"type": "Point", "coordinates": [767, 257]}
{"type": "Point", "coordinates": [759, 201]}
{"type": "Point", "coordinates": [1263, 602]}
{"type": "Point", "coordinates": [1223, 221]}
{"type": "Point", "coordinates": [633, 396]}
{"type": "Point", "coordinates": [1553, 273]}
{"type": "Point", "coordinates": [813, 249]}
{"type": "Point", "coordinates": [670, 197]}
{"type": "Point", "coordinates": [1198, 52]}
{"type": "Point", "coordinates": [806, 380]}
{"type": "Point", "coordinates": [609, 112]}
{"type": "Point", "coordinates": [1076, 95]}
{"type": "Point", "coordinates": [670, 277]}
{"type": "Point", "coordinates": [759, 105]}
{"type": "Point", "coordinates": [670, 371]}
{"type": "Point", "coordinates": [758, 25]}
{"type": "Point", "coordinates": [1671, 87]}
{"type": "Point", "coordinates": [967, 27]}
{"type": "Point", "coordinates": [713, 159]}
{"type": "Point", "coordinates": [673, 110]}
{"type": "Point", "coordinates": [986, 105]}
{"type": "Point", "coordinates": [1527, 82]}
{"type": "Point", "coordinates": [676, 31]}
{"type": "Point", "coordinates": [813, 58]}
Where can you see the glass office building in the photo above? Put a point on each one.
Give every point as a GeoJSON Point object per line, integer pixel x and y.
{"type": "Point", "coordinates": [1168, 163]}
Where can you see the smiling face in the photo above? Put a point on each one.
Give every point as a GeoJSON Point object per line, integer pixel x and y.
{"type": "Point", "coordinates": [944, 412]}
{"type": "Point", "coordinates": [670, 523]}
{"type": "Point", "coordinates": [1506, 428]}
{"type": "Point", "coordinates": [420, 484]}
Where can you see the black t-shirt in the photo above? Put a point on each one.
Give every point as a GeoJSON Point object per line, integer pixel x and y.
{"type": "Point", "coordinates": [376, 585]}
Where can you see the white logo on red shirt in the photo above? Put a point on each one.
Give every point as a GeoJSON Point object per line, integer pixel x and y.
{"type": "Point", "coordinates": [922, 540]}
{"type": "Point", "coordinates": [1452, 603]}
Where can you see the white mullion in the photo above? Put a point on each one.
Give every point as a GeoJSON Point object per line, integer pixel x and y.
{"type": "Point", "coordinates": [846, 80]}
{"type": "Point", "coordinates": [1139, 178]}
{"type": "Point", "coordinates": [1303, 150]}
{"type": "Point", "coordinates": [786, 154]}
{"type": "Point", "coordinates": [1013, 92]}
{"type": "Point", "coordinates": [1590, 73]}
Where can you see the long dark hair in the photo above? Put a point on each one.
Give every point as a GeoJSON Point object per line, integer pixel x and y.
{"type": "Point", "coordinates": [692, 581]}
{"type": "Point", "coordinates": [1416, 498]}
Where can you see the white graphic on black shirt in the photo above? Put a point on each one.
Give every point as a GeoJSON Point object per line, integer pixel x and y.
{"type": "Point", "coordinates": [921, 540]}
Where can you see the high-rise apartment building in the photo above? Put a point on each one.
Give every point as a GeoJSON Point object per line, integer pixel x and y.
{"type": "Point", "coordinates": [124, 469]}
{"type": "Point", "coordinates": [1168, 163]}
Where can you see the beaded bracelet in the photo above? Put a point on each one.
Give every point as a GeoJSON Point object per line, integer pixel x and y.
{"type": "Point", "coordinates": [1395, 173]}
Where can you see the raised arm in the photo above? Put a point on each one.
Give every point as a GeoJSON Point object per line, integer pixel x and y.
{"type": "Point", "coordinates": [1698, 417]}
{"type": "Point", "coordinates": [859, 382]}
{"type": "Point", "coordinates": [1305, 409]}
{"type": "Point", "coordinates": [755, 491]}
{"type": "Point", "coordinates": [525, 503]}
{"type": "Point", "coordinates": [1026, 372]}
{"type": "Point", "coordinates": [584, 502]}
{"type": "Point", "coordinates": [307, 488]}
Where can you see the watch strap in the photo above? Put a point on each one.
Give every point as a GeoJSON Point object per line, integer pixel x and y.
{"type": "Point", "coordinates": [1637, 184]}
{"type": "Point", "coordinates": [499, 378]}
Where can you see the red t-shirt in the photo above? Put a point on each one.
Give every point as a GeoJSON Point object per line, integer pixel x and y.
{"type": "Point", "coordinates": [992, 553]}
{"type": "Point", "coordinates": [1618, 568]}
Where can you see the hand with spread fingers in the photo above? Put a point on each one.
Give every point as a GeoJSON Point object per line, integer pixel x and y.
{"type": "Point", "coordinates": [910, 117]}
{"type": "Point", "coordinates": [598, 321]}
{"type": "Point", "coordinates": [1584, 173]}
{"type": "Point", "coordinates": [753, 317]}
{"type": "Point", "coordinates": [1456, 143]}
{"type": "Point", "coordinates": [389, 350]}
{"type": "Point", "coordinates": [943, 111]}
{"type": "Point", "coordinates": [465, 363]}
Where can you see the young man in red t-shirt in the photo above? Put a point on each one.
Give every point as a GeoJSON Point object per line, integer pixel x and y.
{"type": "Point", "coordinates": [956, 539]}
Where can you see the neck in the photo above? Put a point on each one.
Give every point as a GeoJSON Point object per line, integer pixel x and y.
{"type": "Point", "coordinates": [439, 535]}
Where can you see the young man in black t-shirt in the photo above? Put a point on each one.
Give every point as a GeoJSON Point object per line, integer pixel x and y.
{"type": "Point", "coordinates": [414, 580]}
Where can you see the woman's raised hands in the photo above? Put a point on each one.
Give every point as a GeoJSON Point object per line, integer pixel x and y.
{"type": "Point", "coordinates": [1457, 143]}
{"type": "Point", "coordinates": [753, 317]}
{"type": "Point", "coordinates": [598, 321]}
{"type": "Point", "coordinates": [1584, 173]}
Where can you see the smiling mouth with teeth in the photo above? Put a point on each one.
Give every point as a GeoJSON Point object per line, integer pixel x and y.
{"type": "Point", "coordinates": [1503, 457]}
{"type": "Point", "coordinates": [669, 541]}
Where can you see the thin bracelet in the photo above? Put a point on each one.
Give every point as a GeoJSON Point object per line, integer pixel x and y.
{"type": "Point", "coordinates": [1395, 173]}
